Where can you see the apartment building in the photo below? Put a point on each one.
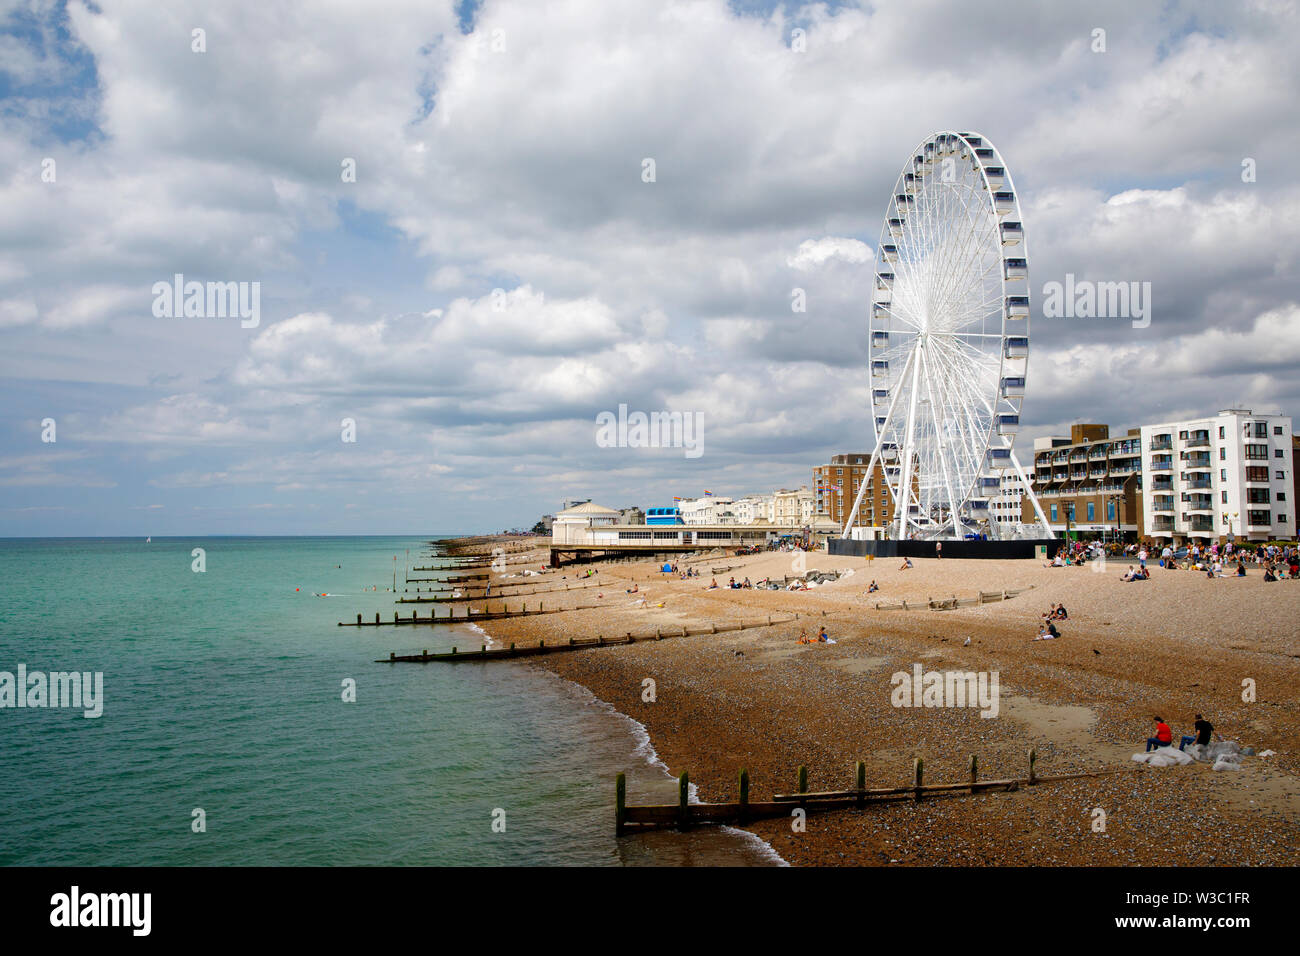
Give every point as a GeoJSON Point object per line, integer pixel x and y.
{"type": "Point", "coordinates": [1230, 474]}
{"type": "Point", "coordinates": [1089, 483]}
{"type": "Point", "coordinates": [835, 487]}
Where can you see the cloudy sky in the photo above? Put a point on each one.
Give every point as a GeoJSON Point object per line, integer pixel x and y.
{"type": "Point", "coordinates": [499, 272]}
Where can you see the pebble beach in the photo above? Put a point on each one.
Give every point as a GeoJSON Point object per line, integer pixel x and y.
{"type": "Point", "coordinates": [1176, 645]}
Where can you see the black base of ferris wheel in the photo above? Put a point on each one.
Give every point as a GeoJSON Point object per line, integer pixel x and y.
{"type": "Point", "coordinates": [952, 548]}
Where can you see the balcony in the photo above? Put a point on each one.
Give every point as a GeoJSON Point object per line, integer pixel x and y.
{"type": "Point", "coordinates": [1197, 443]}
{"type": "Point", "coordinates": [1165, 485]}
{"type": "Point", "coordinates": [1199, 503]}
{"type": "Point", "coordinates": [1123, 467]}
{"type": "Point", "coordinates": [1199, 483]}
{"type": "Point", "coordinates": [1163, 504]}
{"type": "Point", "coordinates": [1162, 524]}
{"type": "Point", "coordinates": [1197, 460]}
{"type": "Point", "coordinates": [1202, 526]}
{"type": "Point", "coordinates": [1162, 463]}
{"type": "Point", "coordinates": [1162, 443]}
{"type": "Point", "coordinates": [1096, 452]}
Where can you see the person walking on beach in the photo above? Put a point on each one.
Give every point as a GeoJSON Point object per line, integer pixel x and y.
{"type": "Point", "coordinates": [1142, 557]}
{"type": "Point", "coordinates": [938, 549]}
{"type": "Point", "coordinates": [1164, 736]}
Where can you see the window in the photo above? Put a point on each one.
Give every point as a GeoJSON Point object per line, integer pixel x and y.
{"type": "Point", "coordinates": [1258, 518]}
{"type": "Point", "coordinates": [1277, 452]}
{"type": "Point", "coordinates": [1110, 511]}
{"type": "Point", "coordinates": [1281, 519]}
{"type": "Point", "coordinates": [839, 471]}
{"type": "Point", "coordinates": [1221, 434]}
{"type": "Point", "coordinates": [1223, 496]}
{"type": "Point", "coordinates": [1069, 510]}
{"type": "Point", "coordinates": [1281, 496]}
{"type": "Point", "coordinates": [1254, 452]}
{"type": "Point", "coordinates": [1223, 454]}
{"type": "Point", "coordinates": [1091, 512]}
{"type": "Point", "coordinates": [1277, 429]}
{"type": "Point", "coordinates": [1256, 473]}
{"type": "Point", "coordinates": [1223, 474]}
{"type": "Point", "coordinates": [1280, 474]}
{"type": "Point", "coordinates": [1053, 512]}
{"type": "Point", "coordinates": [1182, 436]}
{"type": "Point", "coordinates": [1257, 496]}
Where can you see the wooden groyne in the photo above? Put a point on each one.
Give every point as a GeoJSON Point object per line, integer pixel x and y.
{"type": "Point", "coordinates": [953, 602]}
{"type": "Point", "coordinates": [438, 599]}
{"type": "Point", "coordinates": [485, 653]}
{"type": "Point", "coordinates": [684, 814]}
{"type": "Point", "coordinates": [470, 615]}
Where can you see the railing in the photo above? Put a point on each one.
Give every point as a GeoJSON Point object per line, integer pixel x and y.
{"type": "Point", "coordinates": [1162, 444]}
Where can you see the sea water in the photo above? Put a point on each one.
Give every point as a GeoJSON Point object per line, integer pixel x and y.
{"type": "Point", "coordinates": [227, 736]}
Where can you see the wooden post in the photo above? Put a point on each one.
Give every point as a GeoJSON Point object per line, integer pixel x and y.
{"type": "Point", "coordinates": [512, 647]}
{"type": "Point", "coordinates": [541, 647]}
{"type": "Point", "coordinates": [620, 801]}
{"type": "Point", "coordinates": [453, 650]}
{"type": "Point", "coordinates": [744, 794]}
{"type": "Point", "coordinates": [683, 805]}
{"type": "Point", "coordinates": [974, 771]}
{"type": "Point", "coordinates": [1033, 757]}
{"type": "Point", "coordinates": [376, 619]}
{"type": "Point", "coordinates": [918, 770]}
{"type": "Point", "coordinates": [861, 780]}
{"type": "Point", "coordinates": [392, 655]}
{"type": "Point", "coordinates": [803, 779]}
{"type": "Point", "coordinates": [358, 620]}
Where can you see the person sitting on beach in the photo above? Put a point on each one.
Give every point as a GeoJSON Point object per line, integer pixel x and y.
{"type": "Point", "coordinates": [1048, 632]}
{"type": "Point", "coordinates": [747, 584]}
{"type": "Point", "coordinates": [1164, 736]}
{"type": "Point", "coordinates": [1268, 574]}
{"type": "Point", "coordinates": [804, 638]}
{"type": "Point", "coordinates": [634, 589]}
{"type": "Point", "coordinates": [1060, 613]}
{"type": "Point", "coordinates": [1241, 569]}
{"type": "Point", "coordinates": [907, 563]}
{"type": "Point", "coordinates": [1128, 575]}
{"type": "Point", "coordinates": [822, 636]}
{"type": "Point", "coordinates": [1203, 730]}
{"type": "Point", "coordinates": [874, 587]}
{"type": "Point", "coordinates": [713, 586]}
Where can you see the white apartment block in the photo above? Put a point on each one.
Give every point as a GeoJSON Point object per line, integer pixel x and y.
{"type": "Point", "coordinates": [753, 508]}
{"type": "Point", "coordinates": [710, 509]}
{"type": "Point", "coordinates": [1229, 473]}
{"type": "Point", "coordinates": [793, 508]}
{"type": "Point", "coordinates": [1004, 504]}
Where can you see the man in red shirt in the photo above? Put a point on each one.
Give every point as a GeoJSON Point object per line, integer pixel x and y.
{"type": "Point", "coordinates": [1164, 736]}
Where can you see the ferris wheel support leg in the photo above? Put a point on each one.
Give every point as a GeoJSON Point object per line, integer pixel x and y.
{"type": "Point", "coordinates": [1033, 498]}
{"type": "Point", "coordinates": [905, 472]}
{"type": "Point", "coordinates": [875, 455]}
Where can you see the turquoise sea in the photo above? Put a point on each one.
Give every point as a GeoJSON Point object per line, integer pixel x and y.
{"type": "Point", "coordinates": [223, 691]}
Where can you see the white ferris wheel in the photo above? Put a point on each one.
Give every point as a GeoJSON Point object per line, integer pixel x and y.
{"type": "Point", "coordinates": [949, 342]}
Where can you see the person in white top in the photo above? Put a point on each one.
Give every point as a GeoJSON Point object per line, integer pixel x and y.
{"type": "Point", "coordinates": [1142, 557]}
